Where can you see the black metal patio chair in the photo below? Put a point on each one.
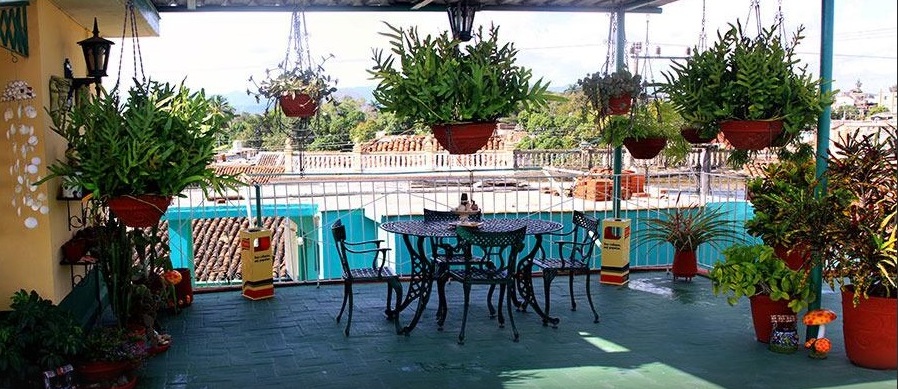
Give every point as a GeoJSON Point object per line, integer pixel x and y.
{"type": "Point", "coordinates": [504, 248]}
{"type": "Point", "coordinates": [373, 273]}
{"type": "Point", "coordinates": [575, 255]}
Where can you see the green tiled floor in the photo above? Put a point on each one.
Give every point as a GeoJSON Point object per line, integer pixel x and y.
{"type": "Point", "coordinates": [654, 333]}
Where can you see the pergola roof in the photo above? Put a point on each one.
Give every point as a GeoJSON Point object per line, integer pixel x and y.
{"type": "Point", "coordinates": [642, 6]}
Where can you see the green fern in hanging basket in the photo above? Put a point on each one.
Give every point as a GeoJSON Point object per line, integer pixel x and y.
{"type": "Point", "coordinates": [285, 80]}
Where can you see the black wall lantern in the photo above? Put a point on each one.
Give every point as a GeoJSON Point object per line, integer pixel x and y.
{"type": "Point", "coordinates": [461, 19]}
{"type": "Point", "coordinates": [96, 57]}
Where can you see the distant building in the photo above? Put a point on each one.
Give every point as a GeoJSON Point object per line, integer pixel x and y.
{"type": "Point", "coordinates": [887, 98]}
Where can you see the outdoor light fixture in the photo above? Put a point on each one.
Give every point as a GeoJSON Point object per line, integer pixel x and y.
{"type": "Point", "coordinates": [96, 57]}
{"type": "Point", "coordinates": [461, 19]}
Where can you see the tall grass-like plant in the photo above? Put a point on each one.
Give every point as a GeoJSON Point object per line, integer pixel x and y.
{"type": "Point", "coordinates": [686, 228]}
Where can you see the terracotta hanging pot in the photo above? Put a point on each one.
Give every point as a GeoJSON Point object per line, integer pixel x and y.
{"type": "Point", "coordinates": [139, 211]}
{"type": "Point", "coordinates": [463, 138]}
{"type": "Point", "coordinates": [795, 256]}
{"type": "Point", "coordinates": [692, 135]}
{"type": "Point", "coordinates": [645, 148]}
{"type": "Point", "coordinates": [299, 105]}
{"type": "Point", "coordinates": [870, 330]}
{"type": "Point", "coordinates": [619, 105]}
{"type": "Point", "coordinates": [751, 134]}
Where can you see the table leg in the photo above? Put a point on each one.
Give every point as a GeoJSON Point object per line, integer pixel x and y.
{"type": "Point", "coordinates": [524, 283]}
{"type": "Point", "coordinates": [420, 283]}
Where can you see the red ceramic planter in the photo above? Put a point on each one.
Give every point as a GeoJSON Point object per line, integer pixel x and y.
{"type": "Point", "coordinates": [870, 330]}
{"type": "Point", "coordinates": [751, 134]}
{"type": "Point", "coordinates": [684, 265]}
{"type": "Point", "coordinates": [762, 307]}
{"type": "Point", "coordinates": [463, 138]}
{"type": "Point", "coordinates": [299, 105]}
{"type": "Point", "coordinates": [139, 211]}
{"type": "Point", "coordinates": [646, 148]}
{"type": "Point", "coordinates": [619, 105]}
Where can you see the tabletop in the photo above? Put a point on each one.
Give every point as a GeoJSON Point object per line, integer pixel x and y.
{"type": "Point", "coordinates": [446, 229]}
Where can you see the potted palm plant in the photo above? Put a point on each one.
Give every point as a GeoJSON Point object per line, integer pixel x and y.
{"type": "Point", "coordinates": [611, 94]}
{"type": "Point", "coordinates": [752, 87]}
{"type": "Point", "coordinates": [859, 245]}
{"type": "Point", "coordinates": [687, 228]}
{"type": "Point", "coordinates": [460, 91]}
{"type": "Point", "coordinates": [135, 152]}
{"type": "Point", "coordinates": [755, 272]}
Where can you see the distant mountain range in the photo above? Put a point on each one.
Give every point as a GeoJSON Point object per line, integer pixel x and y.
{"type": "Point", "coordinates": [246, 103]}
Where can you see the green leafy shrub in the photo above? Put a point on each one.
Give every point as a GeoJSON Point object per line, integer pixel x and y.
{"type": "Point", "coordinates": [750, 270]}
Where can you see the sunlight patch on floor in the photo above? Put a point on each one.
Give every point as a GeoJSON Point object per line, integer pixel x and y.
{"type": "Point", "coordinates": [649, 375]}
{"type": "Point", "coordinates": [647, 285]}
{"type": "Point", "coordinates": [602, 344]}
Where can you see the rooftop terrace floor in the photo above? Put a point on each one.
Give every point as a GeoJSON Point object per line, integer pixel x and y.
{"type": "Point", "coordinates": [654, 333]}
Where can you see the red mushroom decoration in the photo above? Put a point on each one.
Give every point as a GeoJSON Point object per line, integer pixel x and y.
{"type": "Point", "coordinates": [172, 276]}
{"type": "Point", "coordinates": [820, 345]}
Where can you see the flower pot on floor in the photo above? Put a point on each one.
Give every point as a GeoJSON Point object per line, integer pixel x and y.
{"type": "Point", "coordinates": [684, 265]}
{"type": "Point", "coordinates": [762, 308]}
{"type": "Point", "coordinates": [870, 330]}
{"type": "Point", "coordinates": [795, 256]}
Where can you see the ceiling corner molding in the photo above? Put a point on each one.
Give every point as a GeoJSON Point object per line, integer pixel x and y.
{"type": "Point", "coordinates": [110, 15]}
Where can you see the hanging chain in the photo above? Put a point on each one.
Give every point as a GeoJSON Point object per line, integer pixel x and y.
{"type": "Point", "coordinates": [780, 21]}
{"type": "Point", "coordinates": [131, 20]}
{"type": "Point", "coordinates": [612, 30]}
{"type": "Point", "coordinates": [703, 35]}
{"type": "Point", "coordinates": [755, 8]}
{"type": "Point", "coordinates": [298, 40]}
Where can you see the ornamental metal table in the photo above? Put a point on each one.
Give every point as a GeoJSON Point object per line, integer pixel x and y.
{"type": "Point", "coordinates": [421, 280]}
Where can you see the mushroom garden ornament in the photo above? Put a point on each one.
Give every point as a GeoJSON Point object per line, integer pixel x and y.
{"type": "Point", "coordinates": [820, 345]}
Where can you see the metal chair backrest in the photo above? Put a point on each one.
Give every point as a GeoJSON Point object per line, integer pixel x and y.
{"type": "Point", "coordinates": [339, 232]}
{"type": "Point", "coordinates": [586, 231]}
{"type": "Point", "coordinates": [504, 246]}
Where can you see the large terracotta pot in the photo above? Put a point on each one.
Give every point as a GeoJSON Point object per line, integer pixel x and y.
{"type": "Point", "coordinates": [762, 307]}
{"type": "Point", "coordinates": [298, 106]}
{"type": "Point", "coordinates": [463, 138]}
{"type": "Point", "coordinates": [870, 330]}
{"type": "Point", "coordinates": [99, 371]}
{"type": "Point", "coordinates": [751, 134]}
{"type": "Point", "coordinates": [645, 148]}
{"type": "Point", "coordinates": [795, 256]}
{"type": "Point", "coordinates": [684, 265]}
{"type": "Point", "coordinates": [139, 211]}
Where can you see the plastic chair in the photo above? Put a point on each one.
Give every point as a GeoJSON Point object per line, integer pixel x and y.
{"type": "Point", "coordinates": [574, 257]}
{"type": "Point", "coordinates": [505, 247]}
{"type": "Point", "coordinates": [375, 272]}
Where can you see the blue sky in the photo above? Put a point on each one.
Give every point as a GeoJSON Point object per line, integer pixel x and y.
{"type": "Point", "coordinates": [219, 51]}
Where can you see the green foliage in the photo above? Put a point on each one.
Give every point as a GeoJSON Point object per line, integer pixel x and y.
{"type": "Point", "coordinates": [600, 87]}
{"type": "Point", "coordinates": [438, 82]}
{"type": "Point", "coordinates": [652, 119]}
{"type": "Point", "coordinates": [111, 344]}
{"type": "Point", "coordinates": [748, 78]}
{"type": "Point", "coordinates": [293, 79]}
{"type": "Point", "coordinates": [686, 228]}
{"type": "Point", "coordinates": [846, 112]}
{"type": "Point", "coordinates": [786, 210]}
{"type": "Point", "coordinates": [877, 109]}
{"type": "Point", "coordinates": [334, 124]}
{"type": "Point", "coordinates": [752, 270]}
{"type": "Point", "coordinates": [35, 336]}
{"type": "Point", "coordinates": [159, 140]}
{"type": "Point", "coordinates": [860, 239]}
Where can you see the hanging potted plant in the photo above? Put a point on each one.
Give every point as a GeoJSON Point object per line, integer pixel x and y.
{"type": "Point", "coordinates": [755, 272]}
{"type": "Point", "coordinates": [752, 87]}
{"type": "Point", "coordinates": [650, 128]}
{"type": "Point", "coordinates": [459, 90]}
{"type": "Point", "coordinates": [686, 86]}
{"type": "Point", "coordinates": [297, 84]}
{"type": "Point", "coordinates": [611, 94]}
{"type": "Point", "coordinates": [135, 152]}
{"type": "Point", "coordinates": [860, 245]}
{"type": "Point", "coordinates": [687, 228]}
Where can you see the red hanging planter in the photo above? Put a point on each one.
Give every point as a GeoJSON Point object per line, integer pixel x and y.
{"type": "Point", "coordinates": [751, 134]}
{"type": "Point", "coordinates": [619, 105]}
{"type": "Point", "coordinates": [139, 211]}
{"type": "Point", "coordinates": [299, 105]}
{"type": "Point", "coordinates": [692, 135]}
{"type": "Point", "coordinates": [645, 148]}
{"type": "Point", "coordinates": [463, 138]}
{"type": "Point", "coordinates": [795, 256]}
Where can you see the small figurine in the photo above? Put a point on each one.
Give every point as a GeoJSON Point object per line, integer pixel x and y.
{"type": "Point", "coordinates": [819, 346]}
{"type": "Point", "coordinates": [474, 206]}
